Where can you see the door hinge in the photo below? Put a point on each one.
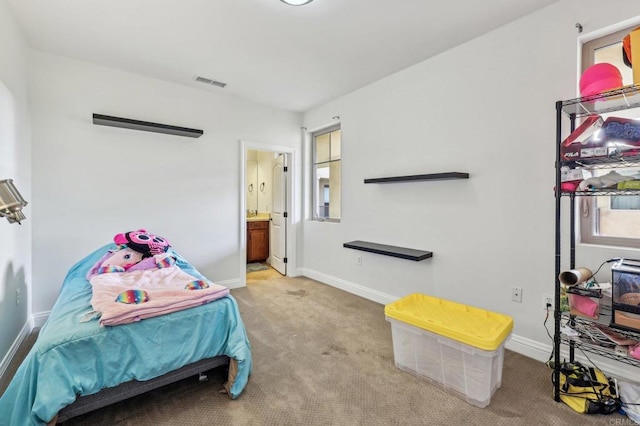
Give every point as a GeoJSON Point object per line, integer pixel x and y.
{"type": "Point", "coordinates": [286, 169]}
{"type": "Point", "coordinates": [285, 260]}
{"type": "Point", "coordinates": [285, 214]}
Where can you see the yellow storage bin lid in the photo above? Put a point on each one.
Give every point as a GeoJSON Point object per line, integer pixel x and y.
{"type": "Point", "coordinates": [466, 324]}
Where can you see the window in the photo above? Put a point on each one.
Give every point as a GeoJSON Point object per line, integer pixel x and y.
{"type": "Point", "coordinates": [326, 174]}
{"type": "Point", "coordinates": [625, 203]}
{"type": "Point", "coordinates": [610, 220]}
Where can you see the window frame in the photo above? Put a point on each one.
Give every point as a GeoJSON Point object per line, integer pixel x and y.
{"type": "Point", "coordinates": [314, 163]}
{"type": "Point", "coordinates": [587, 222]}
{"type": "Point", "coordinates": [589, 47]}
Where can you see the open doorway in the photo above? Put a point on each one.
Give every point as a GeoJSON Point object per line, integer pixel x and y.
{"type": "Point", "coordinates": [266, 200]}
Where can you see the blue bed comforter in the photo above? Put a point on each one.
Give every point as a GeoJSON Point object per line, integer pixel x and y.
{"type": "Point", "coordinates": [72, 358]}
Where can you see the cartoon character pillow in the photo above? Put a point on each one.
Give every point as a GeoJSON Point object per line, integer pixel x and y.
{"type": "Point", "coordinates": [120, 260]}
{"type": "Point", "coordinates": [143, 242]}
{"type": "Point", "coordinates": [136, 250]}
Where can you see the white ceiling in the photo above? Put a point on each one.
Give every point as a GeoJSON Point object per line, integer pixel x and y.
{"type": "Point", "coordinates": [290, 57]}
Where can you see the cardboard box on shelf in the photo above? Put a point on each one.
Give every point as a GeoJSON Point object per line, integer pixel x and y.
{"type": "Point", "coordinates": [635, 53]}
{"type": "Point", "coordinates": [568, 175]}
{"type": "Point", "coordinates": [584, 131]}
{"type": "Point", "coordinates": [618, 129]}
{"type": "Point", "coordinates": [579, 151]}
{"type": "Point", "coordinates": [618, 137]}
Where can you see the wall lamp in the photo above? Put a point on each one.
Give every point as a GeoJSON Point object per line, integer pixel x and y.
{"type": "Point", "coordinates": [11, 202]}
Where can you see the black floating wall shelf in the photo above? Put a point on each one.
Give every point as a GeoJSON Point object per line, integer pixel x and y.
{"type": "Point", "coordinates": [401, 252]}
{"type": "Point", "coordinates": [431, 176]}
{"type": "Point", "coordinates": [127, 123]}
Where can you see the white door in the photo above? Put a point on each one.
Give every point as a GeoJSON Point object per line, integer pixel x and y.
{"type": "Point", "coordinates": [278, 230]}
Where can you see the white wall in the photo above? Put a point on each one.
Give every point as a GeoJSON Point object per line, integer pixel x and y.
{"type": "Point", "coordinates": [487, 108]}
{"type": "Point", "coordinates": [15, 152]}
{"type": "Point", "coordinates": [91, 182]}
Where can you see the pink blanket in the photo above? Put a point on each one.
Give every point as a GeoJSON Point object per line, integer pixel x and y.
{"type": "Point", "coordinates": [164, 290]}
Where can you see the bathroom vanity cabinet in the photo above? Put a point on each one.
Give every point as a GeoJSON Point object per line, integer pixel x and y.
{"type": "Point", "coordinates": [257, 241]}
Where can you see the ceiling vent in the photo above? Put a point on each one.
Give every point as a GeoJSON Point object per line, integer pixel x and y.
{"type": "Point", "coordinates": [209, 81]}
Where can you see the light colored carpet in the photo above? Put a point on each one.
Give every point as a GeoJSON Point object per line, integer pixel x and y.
{"type": "Point", "coordinates": [325, 357]}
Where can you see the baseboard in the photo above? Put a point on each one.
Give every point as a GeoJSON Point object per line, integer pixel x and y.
{"type": "Point", "coordinates": [24, 333]}
{"type": "Point", "coordinates": [38, 319]}
{"type": "Point", "coordinates": [235, 283]}
{"type": "Point", "coordinates": [529, 348]}
{"type": "Point", "coordinates": [357, 289]}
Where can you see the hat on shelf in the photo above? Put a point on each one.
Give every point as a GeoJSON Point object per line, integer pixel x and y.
{"type": "Point", "coordinates": [599, 78]}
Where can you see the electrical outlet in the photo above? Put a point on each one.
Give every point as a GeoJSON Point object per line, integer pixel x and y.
{"type": "Point", "coordinates": [359, 260]}
{"type": "Point", "coordinates": [516, 294]}
{"type": "Point", "coordinates": [17, 296]}
{"type": "Point", "coordinates": [547, 302]}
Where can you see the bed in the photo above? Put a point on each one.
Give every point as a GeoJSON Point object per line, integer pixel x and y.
{"type": "Point", "coordinates": [75, 361]}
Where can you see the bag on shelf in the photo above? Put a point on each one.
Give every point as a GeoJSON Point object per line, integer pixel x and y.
{"type": "Point", "coordinates": [584, 306]}
{"type": "Point", "coordinates": [587, 389]}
